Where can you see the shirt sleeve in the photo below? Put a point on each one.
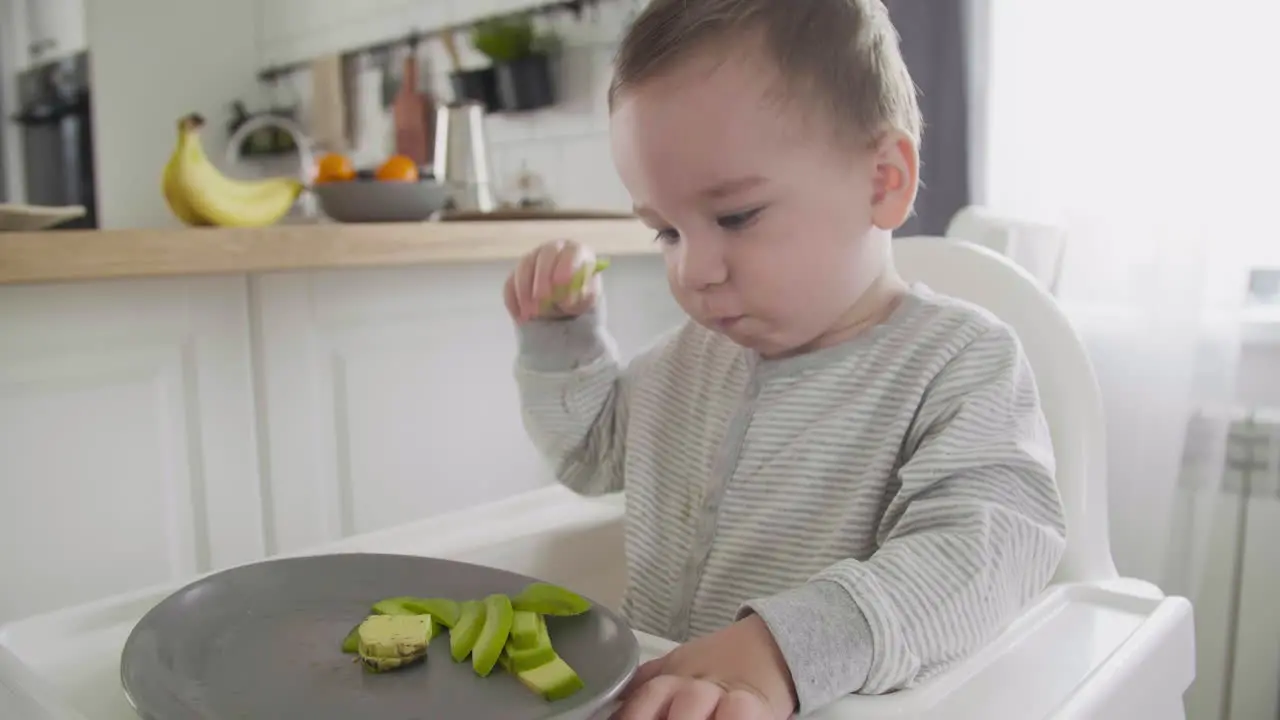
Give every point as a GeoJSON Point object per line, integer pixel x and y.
{"type": "Point", "coordinates": [570, 383]}
{"type": "Point", "coordinates": [974, 532]}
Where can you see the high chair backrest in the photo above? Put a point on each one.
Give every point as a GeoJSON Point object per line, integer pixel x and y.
{"type": "Point", "coordinates": [1069, 391]}
{"type": "Point", "coordinates": [1036, 247]}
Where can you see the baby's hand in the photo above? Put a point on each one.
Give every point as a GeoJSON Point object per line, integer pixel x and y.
{"type": "Point", "coordinates": [737, 673]}
{"type": "Point", "coordinates": [541, 286]}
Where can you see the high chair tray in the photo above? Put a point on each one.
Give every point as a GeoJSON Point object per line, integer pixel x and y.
{"type": "Point", "coordinates": [1119, 650]}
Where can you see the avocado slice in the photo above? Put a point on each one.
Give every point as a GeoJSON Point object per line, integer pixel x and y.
{"type": "Point", "coordinates": [351, 643]}
{"type": "Point", "coordinates": [547, 599]}
{"type": "Point", "coordinates": [391, 642]}
{"type": "Point", "coordinates": [498, 617]}
{"type": "Point", "coordinates": [394, 606]}
{"type": "Point", "coordinates": [531, 652]}
{"type": "Point", "coordinates": [524, 629]}
{"type": "Point", "coordinates": [539, 668]}
{"type": "Point", "coordinates": [444, 610]}
{"type": "Point", "coordinates": [560, 293]}
{"type": "Point", "coordinates": [467, 630]}
{"type": "Point", "coordinates": [516, 660]}
{"type": "Point", "coordinates": [553, 681]}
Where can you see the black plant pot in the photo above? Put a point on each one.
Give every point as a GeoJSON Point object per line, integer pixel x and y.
{"type": "Point", "coordinates": [478, 85]}
{"type": "Point", "coordinates": [526, 83]}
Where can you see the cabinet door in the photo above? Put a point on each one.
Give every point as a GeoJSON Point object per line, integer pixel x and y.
{"type": "Point", "coordinates": [389, 394]}
{"type": "Point", "coordinates": [55, 28]}
{"type": "Point", "coordinates": [127, 438]}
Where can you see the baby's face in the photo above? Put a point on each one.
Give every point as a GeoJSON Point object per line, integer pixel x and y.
{"type": "Point", "coordinates": [764, 219]}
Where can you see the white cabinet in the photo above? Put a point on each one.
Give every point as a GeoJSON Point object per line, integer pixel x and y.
{"type": "Point", "coordinates": [127, 438]}
{"type": "Point", "coordinates": [55, 29]}
{"type": "Point", "coordinates": [389, 394]}
{"type": "Point", "coordinates": [153, 430]}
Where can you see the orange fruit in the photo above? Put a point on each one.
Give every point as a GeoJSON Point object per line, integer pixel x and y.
{"type": "Point", "coordinates": [398, 168]}
{"type": "Point", "coordinates": [335, 168]}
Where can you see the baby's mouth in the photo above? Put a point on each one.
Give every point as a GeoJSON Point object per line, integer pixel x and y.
{"type": "Point", "coordinates": [728, 322]}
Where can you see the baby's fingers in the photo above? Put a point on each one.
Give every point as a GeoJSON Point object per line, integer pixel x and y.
{"type": "Point", "coordinates": [651, 700]}
{"type": "Point", "coordinates": [741, 705]}
{"type": "Point", "coordinates": [510, 298]}
{"type": "Point", "coordinates": [522, 288]}
{"type": "Point", "coordinates": [644, 673]}
{"type": "Point", "coordinates": [546, 262]}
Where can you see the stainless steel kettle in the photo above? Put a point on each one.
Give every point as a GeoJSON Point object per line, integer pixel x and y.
{"type": "Point", "coordinates": [461, 158]}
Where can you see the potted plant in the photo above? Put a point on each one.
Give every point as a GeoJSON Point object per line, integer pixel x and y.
{"type": "Point", "coordinates": [521, 58]}
{"type": "Point", "coordinates": [479, 84]}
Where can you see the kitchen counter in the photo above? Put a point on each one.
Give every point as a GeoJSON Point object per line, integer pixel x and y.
{"type": "Point", "coordinates": [223, 395]}
{"type": "Point", "coordinates": [52, 256]}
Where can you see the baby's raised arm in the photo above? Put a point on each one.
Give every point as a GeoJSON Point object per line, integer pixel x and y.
{"type": "Point", "coordinates": [571, 398]}
{"type": "Point", "coordinates": [567, 369]}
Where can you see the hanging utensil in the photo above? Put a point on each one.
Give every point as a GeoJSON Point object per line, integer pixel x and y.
{"type": "Point", "coordinates": [327, 117]}
{"type": "Point", "coordinates": [451, 48]}
{"type": "Point", "coordinates": [390, 85]}
{"type": "Point", "coordinates": [409, 112]}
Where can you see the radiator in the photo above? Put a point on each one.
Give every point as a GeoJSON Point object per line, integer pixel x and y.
{"type": "Point", "coordinates": [1237, 605]}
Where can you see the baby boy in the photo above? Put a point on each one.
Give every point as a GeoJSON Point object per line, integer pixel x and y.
{"type": "Point", "coordinates": [837, 482]}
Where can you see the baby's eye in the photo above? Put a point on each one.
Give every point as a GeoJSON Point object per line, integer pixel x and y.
{"type": "Point", "coordinates": [668, 236]}
{"type": "Point", "coordinates": [738, 221]}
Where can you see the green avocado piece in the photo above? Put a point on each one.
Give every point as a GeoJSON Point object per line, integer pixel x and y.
{"type": "Point", "coordinates": [517, 660]}
{"type": "Point", "coordinates": [560, 293]}
{"type": "Point", "coordinates": [498, 617]}
{"type": "Point", "coordinates": [544, 635]}
{"type": "Point", "coordinates": [554, 680]}
{"type": "Point", "coordinates": [351, 643]}
{"type": "Point", "coordinates": [532, 652]}
{"type": "Point", "coordinates": [524, 630]}
{"type": "Point", "coordinates": [394, 606]}
{"type": "Point", "coordinates": [547, 599]}
{"type": "Point", "coordinates": [390, 642]}
{"type": "Point", "coordinates": [467, 630]}
{"type": "Point", "coordinates": [444, 610]}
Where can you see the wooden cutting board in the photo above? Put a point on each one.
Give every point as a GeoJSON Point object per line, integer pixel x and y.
{"type": "Point", "coordinates": [327, 121]}
{"type": "Point", "coordinates": [412, 113]}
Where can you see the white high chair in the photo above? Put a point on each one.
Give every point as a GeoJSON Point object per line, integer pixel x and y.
{"type": "Point", "coordinates": [1093, 646]}
{"type": "Point", "coordinates": [1036, 247]}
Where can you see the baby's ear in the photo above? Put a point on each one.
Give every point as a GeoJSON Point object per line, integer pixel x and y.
{"type": "Point", "coordinates": [897, 177]}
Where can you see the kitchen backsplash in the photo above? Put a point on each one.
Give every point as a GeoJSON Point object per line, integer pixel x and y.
{"type": "Point", "coordinates": [566, 146]}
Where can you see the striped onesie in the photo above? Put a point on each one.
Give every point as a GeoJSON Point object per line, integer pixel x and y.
{"type": "Point", "coordinates": [885, 505]}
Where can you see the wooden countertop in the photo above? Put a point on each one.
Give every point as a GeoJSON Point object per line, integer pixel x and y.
{"type": "Point", "coordinates": [54, 256]}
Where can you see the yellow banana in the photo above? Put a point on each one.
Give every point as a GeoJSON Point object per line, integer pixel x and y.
{"type": "Point", "coordinates": [204, 195]}
{"type": "Point", "coordinates": [173, 195]}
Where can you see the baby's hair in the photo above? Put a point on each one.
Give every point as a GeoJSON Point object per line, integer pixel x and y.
{"type": "Point", "coordinates": [840, 56]}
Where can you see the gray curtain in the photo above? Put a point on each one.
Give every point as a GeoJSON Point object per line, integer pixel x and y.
{"type": "Point", "coordinates": [935, 44]}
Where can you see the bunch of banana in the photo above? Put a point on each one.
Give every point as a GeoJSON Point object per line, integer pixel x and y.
{"type": "Point", "coordinates": [199, 194]}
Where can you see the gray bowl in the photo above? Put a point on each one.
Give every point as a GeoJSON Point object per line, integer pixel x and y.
{"type": "Point", "coordinates": [373, 201]}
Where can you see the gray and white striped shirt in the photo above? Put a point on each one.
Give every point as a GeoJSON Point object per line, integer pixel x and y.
{"type": "Point", "coordinates": [885, 505]}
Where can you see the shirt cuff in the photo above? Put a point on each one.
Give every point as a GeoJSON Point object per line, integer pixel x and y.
{"type": "Point", "coordinates": [824, 638]}
{"type": "Point", "coordinates": [562, 345]}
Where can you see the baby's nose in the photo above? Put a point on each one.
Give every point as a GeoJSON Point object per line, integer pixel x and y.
{"type": "Point", "coordinates": [701, 265]}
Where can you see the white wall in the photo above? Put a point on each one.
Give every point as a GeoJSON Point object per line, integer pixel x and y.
{"type": "Point", "coordinates": [153, 61]}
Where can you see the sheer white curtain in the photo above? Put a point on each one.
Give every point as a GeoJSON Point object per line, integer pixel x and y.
{"type": "Point", "coordinates": [1150, 131]}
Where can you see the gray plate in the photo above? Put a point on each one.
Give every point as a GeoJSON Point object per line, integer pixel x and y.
{"type": "Point", "coordinates": [263, 642]}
